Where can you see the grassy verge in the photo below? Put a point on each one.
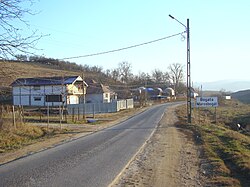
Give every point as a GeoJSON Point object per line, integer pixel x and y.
{"type": "Point", "coordinates": [226, 152]}
{"type": "Point", "coordinates": [23, 135]}
{"type": "Point", "coordinates": [15, 138]}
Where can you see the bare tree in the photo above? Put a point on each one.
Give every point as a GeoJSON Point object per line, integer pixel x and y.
{"type": "Point", "coordinates": [12, 38]}
{"type": "Point", "coordinates": [125, 71]}
{"type": "Point", "coordinates": [114, 74]}
{"type": "Point", "coordinates": [176, 74]}
{"type": "Point", "coordinates": [157, 75]}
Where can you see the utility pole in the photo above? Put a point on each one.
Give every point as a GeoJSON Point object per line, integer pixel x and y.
{"type": "Point", "coordinates": [189, 103]}
{"type": "Point", "coordinates": [84, 92]}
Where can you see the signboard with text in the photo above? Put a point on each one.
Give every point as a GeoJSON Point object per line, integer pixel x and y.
{"type": "Point", "coordinates": [207, 102]}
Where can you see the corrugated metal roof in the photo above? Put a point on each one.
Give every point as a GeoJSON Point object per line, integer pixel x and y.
{"type": "Point", "coordinates": [39, 81]}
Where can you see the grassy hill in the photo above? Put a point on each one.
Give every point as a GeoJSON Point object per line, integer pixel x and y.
{"type": "Point", "coordinates": [243, 96]}
{"type": "Point", "coordinates": [10, 71]}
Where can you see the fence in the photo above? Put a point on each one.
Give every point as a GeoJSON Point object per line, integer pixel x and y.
{"type": "Point", "coordinates": [95, 108]}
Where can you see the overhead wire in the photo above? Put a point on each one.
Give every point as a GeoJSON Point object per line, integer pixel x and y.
{"type": "Point", "coordinates": [124, 48]}
{"type": "Point", "coordinates": [121, 49]}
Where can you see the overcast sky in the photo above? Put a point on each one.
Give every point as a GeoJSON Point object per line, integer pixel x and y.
{"type": "Point", "coordinates": [219, 34]}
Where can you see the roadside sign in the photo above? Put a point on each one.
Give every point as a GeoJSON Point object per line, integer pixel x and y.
{"type": "Point", "coordinates": [207, 102]}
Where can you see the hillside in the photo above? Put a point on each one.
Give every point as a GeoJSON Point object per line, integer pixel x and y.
{"type": "Point", "coordinates": [243, 96]}
{"type": "Point", "coordinates": [9, 71]}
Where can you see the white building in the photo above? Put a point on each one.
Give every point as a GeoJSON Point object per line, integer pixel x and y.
{"type": "Point", "coordinates": [52, 91]}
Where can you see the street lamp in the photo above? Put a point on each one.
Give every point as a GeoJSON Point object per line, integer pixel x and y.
{"type": "Point", "coordinates": [189, 107]}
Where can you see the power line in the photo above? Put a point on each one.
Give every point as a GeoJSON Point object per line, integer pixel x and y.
{"type": "Point", "coordinates": [124, 48]}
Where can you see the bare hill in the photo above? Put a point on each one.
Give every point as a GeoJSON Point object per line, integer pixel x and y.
{"type": "Point", "coordinates": [243, 96]}
{"type": "Point", "coordinates": [10, 71]}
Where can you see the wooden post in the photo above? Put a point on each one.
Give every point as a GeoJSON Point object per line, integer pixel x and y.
{"type": "Point", "coordinates": [73, 114]}
{"type": "Point", "coordinates": [78, 114]}
{"type": "Point", "coordinates": [20, 114]}
{"type": "Point", "coordinates": [48, 117]}
{"type": "Point", "coordinates": [14, 117]}
{"type": "Point", "coordinates": [215, 115]}
{"type": "Point", "coordinates": [60, 116]}
{"type": "Point", "coordinates": [23, 120]}
{"type": "Point", "coordinates": [93, 110]}
{"type": "Point", "coordinates": [83, 112]}
{"type": "Point", "coordinates": [40, 114]}
{"type": "Point", "coordinates": [199, 114]}
{"type": "Point", "coordinates": [65, 116]}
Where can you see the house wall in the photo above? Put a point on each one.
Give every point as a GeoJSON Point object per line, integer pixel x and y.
{"type": "Point", "coordinates": [73, 99]}
{"type": "Point", "coordinates": [98, 98]}
{"type": "Point", "coordinates": [94, 98]}
{"type": "Point", "coordinates": [74, 89]}
{"type": "Point", "coordinates": [36, 96]}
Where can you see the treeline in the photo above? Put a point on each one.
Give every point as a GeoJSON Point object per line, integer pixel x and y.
{"type": "Point", "coordinates": [58, 64]}
{"type": "Point", "coordinates": [121, 76]}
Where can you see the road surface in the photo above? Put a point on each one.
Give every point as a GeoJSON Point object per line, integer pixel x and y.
{"type": "Point", "coordinates": [93, 160]}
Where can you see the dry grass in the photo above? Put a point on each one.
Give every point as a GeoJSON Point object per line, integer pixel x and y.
{"type": "Point", "coordinates": [227, 151]}
{"type": "Point", "coordinates": [15, 138]}
{"type": "Point", "coordinates": [10, 71]}
{"type": "Point", "coordinates": [11, 139]}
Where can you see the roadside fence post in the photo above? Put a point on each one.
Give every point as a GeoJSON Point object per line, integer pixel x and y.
{"type": "Point", "coordinates": [14, 117]}
{"type": "Point", "coordinates": [78, 113]}
{"type": "Point", "coordinates": [215, 115]}
{"type": "Point", "coordinates": [73, 114]}
{"type": "Point", "coordinates": [60, 116]}
{"type": "Point", "coordinates": [83, 113]}
{"type": "Point", "coordinates": [48, 117]}
{"type": "Point", "coordinates": [93, 110]}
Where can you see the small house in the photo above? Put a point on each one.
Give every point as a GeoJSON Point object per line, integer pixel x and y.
{"type": "Point", "coordinates": [48, 91]}
{"type": "Point", "coordinates": [99, 93]}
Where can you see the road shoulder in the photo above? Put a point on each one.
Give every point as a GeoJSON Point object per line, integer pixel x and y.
{"type": "Point", "coordinates": [170, 158]}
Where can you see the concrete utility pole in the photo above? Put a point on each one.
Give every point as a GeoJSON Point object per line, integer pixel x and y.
{"type": "Point", "coordinates": [189, 104]}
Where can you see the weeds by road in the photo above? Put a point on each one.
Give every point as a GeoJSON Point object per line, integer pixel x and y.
{"type": "Point", "coordinates": [226, 153]}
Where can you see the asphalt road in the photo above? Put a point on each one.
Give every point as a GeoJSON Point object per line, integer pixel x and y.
{"type": "Point", "coordinates": [93, 160]}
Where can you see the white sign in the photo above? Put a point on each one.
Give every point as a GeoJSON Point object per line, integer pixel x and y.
{"type": "Point", "coordinates": [207, 102]}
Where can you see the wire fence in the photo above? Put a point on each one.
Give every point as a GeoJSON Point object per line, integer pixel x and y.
{"type": "Point", "coordinates": [11, 117]}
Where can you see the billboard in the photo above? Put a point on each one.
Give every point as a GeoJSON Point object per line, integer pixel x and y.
{"type": "Point", "coordinates": [53, 98]}
{"type": "Point", "coordinates": [207, 102]}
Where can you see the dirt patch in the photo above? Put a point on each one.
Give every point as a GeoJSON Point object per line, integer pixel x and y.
{"type": "Point", "coordinates": [170, 158]}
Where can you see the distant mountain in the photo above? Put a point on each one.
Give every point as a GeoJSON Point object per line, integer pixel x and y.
{"type": "Point", "coordinates": [243, 96]}
{"type": "Point", "coordinates": [227, 85]}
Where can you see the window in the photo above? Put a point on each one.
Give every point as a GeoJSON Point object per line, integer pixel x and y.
{"type": "Point", "coordinates": [37, 98]}
{"type": "Point", "coordinates": [36, 87]}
